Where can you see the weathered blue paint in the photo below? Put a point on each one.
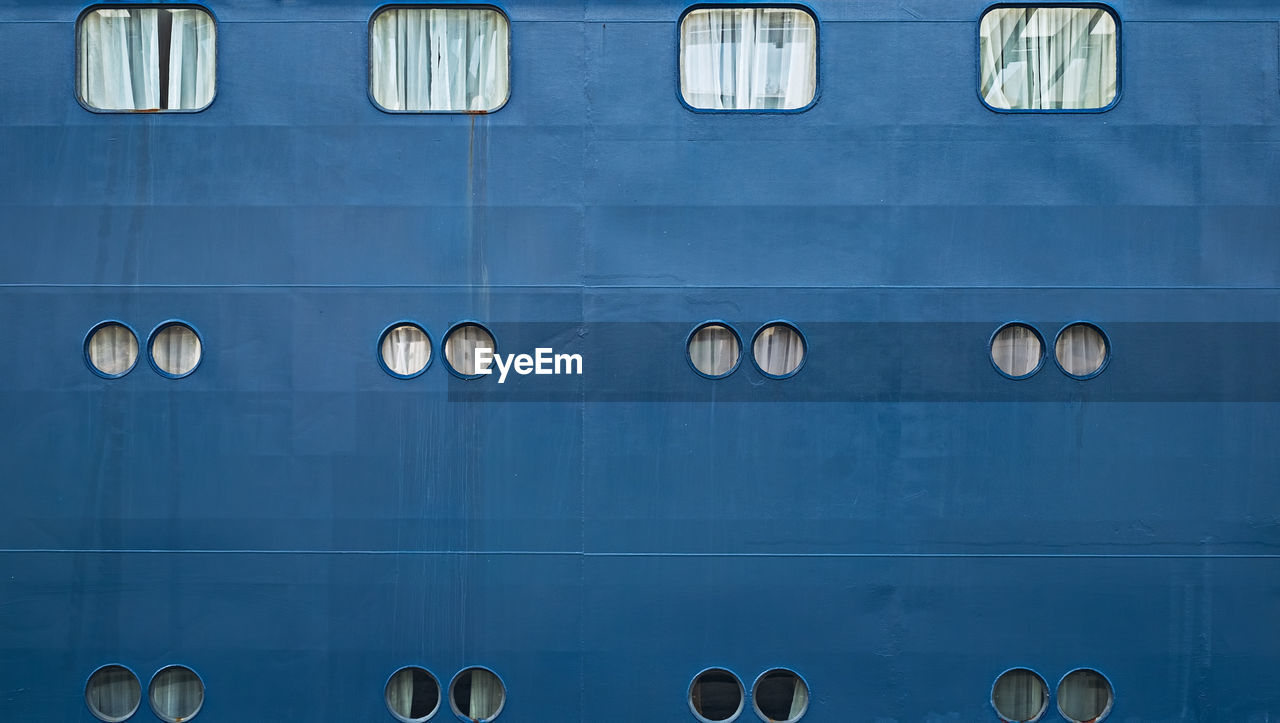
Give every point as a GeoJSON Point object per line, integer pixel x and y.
{"type": "Point", "coordinates": [897, 522]}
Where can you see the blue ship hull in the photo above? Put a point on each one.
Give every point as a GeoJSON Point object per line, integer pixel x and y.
{"type": "Point", "coordinates": [898, 523]}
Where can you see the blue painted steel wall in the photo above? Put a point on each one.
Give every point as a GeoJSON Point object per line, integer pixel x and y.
{"type": "Point", "coordinates": [898, 523]}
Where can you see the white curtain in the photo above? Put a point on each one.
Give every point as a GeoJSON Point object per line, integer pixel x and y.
{"type": "Point", "coordinates": [413, 694]}
{"type": "Point", "coordinates": [176, 349]}
{"type": "Point", "coordinates": [176, 694]}
{"type": "Point", "coordinates": [778, 350]}
{"type": "Point", "coordinates": [748, 58]}
{"type": "Point", "coordinates": [714, 350]}
{"type": "Point", "coordinates": [121, 60]}
{"type": "Point", "coordinates": [460, 348]}
{"type": "Point", "coordinates": [1048, 58]}
{"type": "Point", "coordinates": [799, 700]}
{"type": "Point", "coordinates": [1083, 696]}
{"type": "Point", "coordinates": [113, 349]}
{"type": "Point", "coordinates": [400, 693]}
{"type": "Point", "coordinates": [1080, 350]}
{"type": "Point", "coordinates": [486, 695]}
{"type": "Point", "coordinates": [438, 59]}
{"type": "Point", "coordinates": [406, 349]}
{"type": "Point", "coordinates": [191, 61]}
{"type": "Point", "coordinates": [113, 693]}
{"type": "Point", "coordinates": [1020, 695]}
{"type": "Point", "coordinates": [1016, 350]}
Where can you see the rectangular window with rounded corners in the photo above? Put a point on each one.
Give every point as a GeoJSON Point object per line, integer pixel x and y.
{"type": "Point", "coordinates": [748, 58]}
{"type": "Point", "coordinates": [434, 59]}
{"type": "Point", "coordinates": [1048, 58]}
{"type": "Point", "coordinates": [140, 58]}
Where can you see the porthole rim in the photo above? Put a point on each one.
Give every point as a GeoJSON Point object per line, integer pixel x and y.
{"type": "Point", "coordinates": [1048, 694]}
{"type": "Point", "coordinates": [151, 340]}
{"type": "Point", "coordinates": [1106, 349]}
{"type": "Point", "coordinates": [991, 344]}
{"type": "Point", "coordinates": [203, 692]}
{"type": "Point", "coordinates": [431, 349]}
{"type": "Point", "coordinates": [1111, 701]}
{"type": "Point", "coordinates": [454, 681]}
{"type": "Point", "coordinates": [742, 695]}
{"type": "Point", "coordinates": [439, 694]}
{"type": "Point", "coordinates": [808, 690]}
{"type": "Point", "coordinates": [95, 713]}
{"type": "Point", "coordinates": [444, 339]}
{"type": "Point", "coordinates": [804, 347]}
{"type": "Point", "coordinates": [89, 337]}
{"type": "Point", "coordinates": [689, 340]}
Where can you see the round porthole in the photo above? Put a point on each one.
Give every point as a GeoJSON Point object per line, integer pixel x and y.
{"type": "Point", "coordinates": [1081, 350]}
{"type": "Point", "coordinates": [176, 694]}
{"type": "Point", "coordinates": [175, 349]}
{"type": "Point", "coordinates": [461, 347]}
{"type": "Point", "coordinates": [715, 695]}
{"type": "Point", "coordinates": [404, 350]}
{"type": "Point", "coordinates": [413, 694]}
{"type": "Point", "coordinates": [1084, 696]}
{"type": "Point", "coordinates": [714, 350]}
{"type": "Point", "coordinates": [778, 349]}
{"type": "Point", "coordinates": [1017, 351]}
{"type": "Point", "coordinates": [113, 693]}
{"type": "Point", "coordinates": [1020, 696]}
{"type": "Point", "coordinates": [111, 348]}
{"type": "Point", "coordinates": [780, 696]}
{"type": "Point", "coordinates": [477, 694]}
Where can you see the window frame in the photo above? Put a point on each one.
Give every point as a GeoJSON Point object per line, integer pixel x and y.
{"type": "Point", "coordinates": [804, 347]}
{"type": "Point", "coordinates": [204, 691]}
{"type": "Point", "coordinates": [977, 59]}
{"type": "Point", "coordinates": [155, 333]}
{"type": "Point", "coordinates": [1048, 693]}
{"type": "Point", "coordinates": [88, 338]}
{"type": "Point", "coordinates": [444, 340]}
{"type": "Point", "coordinates": [1107, 351]}
{"type": "Point", "coordinates": [75, 85]}
{"type": "Point", "coordinates": [732, 330]}
{"type": "Point", "coordinates": [991, 357]}
{"type": "Point", "coordinates": [431, 358]}
{"type": "Point", "coordinates": [1111, 703]}
{"type": "Point", "coordinates": [368, 52]}
{"type": "Point", "coordinates": [817, 56]}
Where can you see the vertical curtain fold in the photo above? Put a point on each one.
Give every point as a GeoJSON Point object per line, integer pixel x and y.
{"type": "Point", "coordinates": [439, 59]}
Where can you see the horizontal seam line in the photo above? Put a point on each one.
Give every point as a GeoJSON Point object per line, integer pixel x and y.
{"type": "Point", "coordinates": [575, 553]}
{"type": "Point", "coordinates": [869, 287]}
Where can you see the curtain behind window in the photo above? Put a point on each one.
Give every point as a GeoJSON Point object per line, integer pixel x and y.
{"type": "Point", "coordinates": [1048, 58]}
{"type": "Point", "coordinates": [437, 59]}
{"type": "Point", "coordinates": [122, 62]}
{"type": "Point", "coordinates": [748, 58]}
